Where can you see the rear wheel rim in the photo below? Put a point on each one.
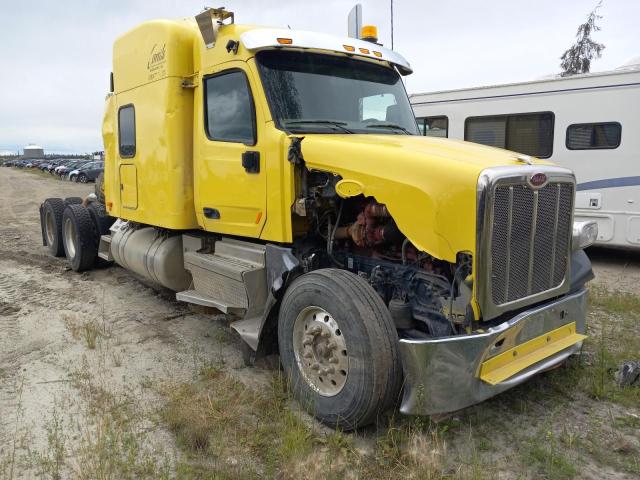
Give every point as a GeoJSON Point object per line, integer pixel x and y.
{"type": "Point", "coordinates": [50, 227]}
{"type": "Point", "coordinates": [320, 351]}
{"type": "Point", "coordinates": [70, 237]}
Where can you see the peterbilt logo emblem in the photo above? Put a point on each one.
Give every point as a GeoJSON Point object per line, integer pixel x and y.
{"type": "Point", "coordinates": [537, 180]}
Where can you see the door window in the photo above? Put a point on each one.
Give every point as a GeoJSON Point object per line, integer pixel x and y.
{"type": "Point", "coordinates": [229, 111]}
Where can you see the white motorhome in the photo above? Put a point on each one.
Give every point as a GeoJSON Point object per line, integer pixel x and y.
{"type": "Point", "coordinates": [589, 123]}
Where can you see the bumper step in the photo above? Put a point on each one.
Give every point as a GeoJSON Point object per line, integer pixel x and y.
{"type": "Point", "coordinates": [508, 363]}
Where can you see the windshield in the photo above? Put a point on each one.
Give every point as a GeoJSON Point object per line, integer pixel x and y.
{"type": "Point", "coordinates": [310, 92]}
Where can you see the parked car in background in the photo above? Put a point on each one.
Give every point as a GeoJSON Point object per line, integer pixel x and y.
{"type": "Point", "coordinates": [62, 170]}
{"type": "Point", "coordinates": [87, 173]}
{"type": "Point", "coordinates": [65, 173]}
{"type": "Point", "coordinates": [56, 163]}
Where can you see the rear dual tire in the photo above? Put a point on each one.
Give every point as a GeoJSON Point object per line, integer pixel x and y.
{"type": "Point", "coordinates": [72, 200]}
{"type": "Point", "coordinates": [52, 210]}
{"type": "Point", "coordinates": [80, 237]}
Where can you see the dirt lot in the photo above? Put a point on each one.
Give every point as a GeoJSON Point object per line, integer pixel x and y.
{"type": "Point", "coordinates": [103, 376]}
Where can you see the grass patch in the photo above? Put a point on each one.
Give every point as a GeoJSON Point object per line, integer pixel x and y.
{"type": "Point", "coordinates": [613, 301]}
{"type": "Point", "coordinates": [545, 453]}
{"type": "Point", "coordinates": [612, 327]}
{"type": "Point", "coordinates": [229, 430]}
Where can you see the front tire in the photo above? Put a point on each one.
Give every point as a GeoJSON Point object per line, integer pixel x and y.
{"type": "Point", "coordinates": [80, 238]}
{"type": "Point", "coordinates": [339, 348]}
{"type": "Point", "coordinates": [82, 178]}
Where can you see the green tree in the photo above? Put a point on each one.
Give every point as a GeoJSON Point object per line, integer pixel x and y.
{"type": "Point", "coordinates": [577, 59]}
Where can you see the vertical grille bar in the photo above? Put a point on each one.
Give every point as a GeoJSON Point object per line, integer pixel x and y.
{"type": "Point", "coordinates": [509, 226]}
{"type": "Point", "coordinates": [555, 236]}
{"type": "Point", "coordinates": [532, 242]}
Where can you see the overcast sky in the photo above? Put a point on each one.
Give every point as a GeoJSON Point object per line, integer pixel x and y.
{"type": "Point", "coordinates": [55, 56]}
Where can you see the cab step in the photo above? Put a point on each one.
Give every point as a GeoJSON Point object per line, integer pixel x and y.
{"type": "Point", "coordinates": [232, 279]}
{"type": "Point", "coordinates": [195, 297]}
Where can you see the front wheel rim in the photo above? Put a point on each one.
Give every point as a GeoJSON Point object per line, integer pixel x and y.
{"type": "Point", "coordinates": [320, 351]}
{"type": "Point", "coordinates": [70, 238]}
{"type": "Point", "coordinates": [83, 179]}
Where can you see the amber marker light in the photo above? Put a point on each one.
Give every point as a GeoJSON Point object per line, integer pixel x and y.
{"type": "Point", "coordinates": [377, 54]}
{"type": "Point", "coordinates": [349, 48]}
{"type": "Point", "coordinates": [285, 41]}
{"type": "Point", "coordinates": [369, 33]}
{"type": "Point", "coordinates": [364, 50]}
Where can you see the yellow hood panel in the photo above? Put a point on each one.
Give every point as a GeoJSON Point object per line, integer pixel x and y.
{"type": "Point", "coordinates": [428, 184]}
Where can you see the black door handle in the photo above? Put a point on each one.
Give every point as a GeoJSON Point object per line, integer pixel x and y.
{"type": "Point", "coordinates": [212, 213]}
{"type": "Point", "coordinates": [251, 161]}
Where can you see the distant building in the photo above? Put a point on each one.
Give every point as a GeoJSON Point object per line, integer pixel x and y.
{"type": "Point", "coordinates": [33, 151]}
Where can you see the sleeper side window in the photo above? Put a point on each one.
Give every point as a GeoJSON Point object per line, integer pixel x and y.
{"type": "Point", "coordinates": [592, 136]}
{"type": "Point", "coordinates": [229, 110]}
{"type": "Point", "coordinates": [528, 133]}
{"type": "Point", "coordinates": [127, 131]}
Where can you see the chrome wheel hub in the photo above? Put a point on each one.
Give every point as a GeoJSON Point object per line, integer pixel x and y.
{"type": "Point", "coordinates": [69, 237]}
{"type": "Point", "coordinates": [321, 351]}
{"type": "Point", "coordinates": [50, 227]}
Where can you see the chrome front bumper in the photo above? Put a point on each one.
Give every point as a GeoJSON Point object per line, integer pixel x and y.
{"type": "Point", "coordinates": [443, 375]}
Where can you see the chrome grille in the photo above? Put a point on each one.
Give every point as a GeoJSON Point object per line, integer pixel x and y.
{"type": "Point", "coordinates": [531, 231]}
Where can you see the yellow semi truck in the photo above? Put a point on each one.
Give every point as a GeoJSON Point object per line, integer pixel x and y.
{"type": "Point", "coordinates": [278, 176]}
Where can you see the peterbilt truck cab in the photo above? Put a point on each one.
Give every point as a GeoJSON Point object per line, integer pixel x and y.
{"type": "Point", "coordinates": [278, 176]}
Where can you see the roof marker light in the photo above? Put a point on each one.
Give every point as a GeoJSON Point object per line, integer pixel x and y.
{"type": "Point", "coordinates": [349, 48]}
{"type": "Point", "coordinates": [377, 54]}
{"type": "Point", "coordinates": [369, 33]}
{"type": "Point", "coordinates": [285, 41]}
{"type": "Point", "coordinates": [364, 50]}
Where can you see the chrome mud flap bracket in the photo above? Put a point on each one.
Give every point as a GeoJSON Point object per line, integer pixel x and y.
{"type": "Point", "coordinates": [450, 373]}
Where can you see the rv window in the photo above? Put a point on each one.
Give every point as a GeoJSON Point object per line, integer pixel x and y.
{"type": "Point", "coordinates": [127, 131]}
{"type": "Point", "coordinates": [434, 126]}
{"type": "Point", "coordinates": [529, 133]}
{"type": "Point", "coordinates": [229, 108]}
{"type": "Point", "coordinates": [586, 136]}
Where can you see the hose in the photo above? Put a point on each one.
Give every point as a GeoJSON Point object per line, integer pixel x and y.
{"type": "Point", "coordinates": [332, 235]}
{"type": "Point", "coordinates": [405, 244]}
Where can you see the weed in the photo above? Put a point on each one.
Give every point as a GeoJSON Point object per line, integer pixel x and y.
{"type": "Point", "coordinates": [90, 333]}
{"type": "Point", "coordinates": [117, 357]}
{"type": "Point", "coordinates": [51, 462]}
{"type": "Point", "coordinates": [87, 330]}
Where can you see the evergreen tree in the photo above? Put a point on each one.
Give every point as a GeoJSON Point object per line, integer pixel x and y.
{"type": "Point", "coordinates": [577, 59]}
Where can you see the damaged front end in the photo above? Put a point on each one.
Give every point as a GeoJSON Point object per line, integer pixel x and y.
{"type": "Point", "coordinates": [450, 373]}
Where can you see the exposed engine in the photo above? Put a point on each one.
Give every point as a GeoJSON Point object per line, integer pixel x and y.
{"type": "Point", "coordinates": [427, 297]}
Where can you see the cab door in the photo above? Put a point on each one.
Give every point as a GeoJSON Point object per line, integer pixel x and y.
{"type": "Point", "coordinates": [229, 170]}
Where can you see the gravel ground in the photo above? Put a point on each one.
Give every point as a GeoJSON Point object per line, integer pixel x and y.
{"type": "Point", "coordinates": [47, 314]}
